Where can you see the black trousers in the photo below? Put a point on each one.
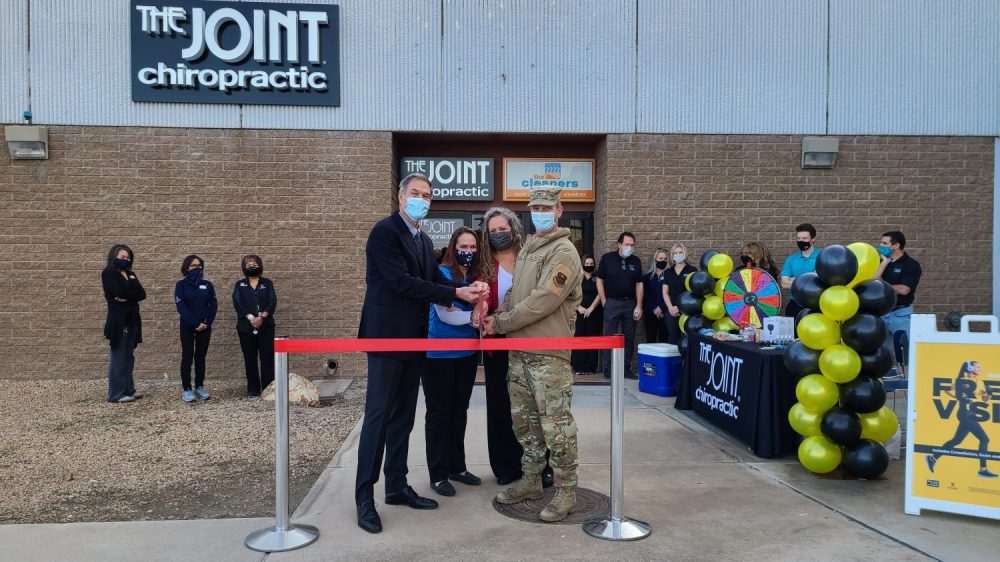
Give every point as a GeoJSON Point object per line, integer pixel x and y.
{"type": "Point", "coordinates": [618, 316]}
{"type": "Point", "coordinates": [254, 346]}
{"type": "Point", "coordinates": [121, 364]}
{"type": "Point", "coordinates": [792, 308]}
{"type": "Point", "coordinates": [587, 360]}
{"type": "Point", "coordinates": [656, 328]}
{"type": "Point", "coordinates": [673, 326]}
{"type": "Point", "coordinates": [390, 404]}
{"type": "Point", "coordinates": [967, 424]}
{"type": "Point", "coordinates": [504, 450]}
{"type": "Point", "coordinates": [447, 389]}
{"type": "Point", "coordinates": [194, 346]}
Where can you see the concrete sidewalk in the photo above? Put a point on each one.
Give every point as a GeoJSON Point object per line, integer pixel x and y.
{"type": "Point", "coordinates": [704, 495]}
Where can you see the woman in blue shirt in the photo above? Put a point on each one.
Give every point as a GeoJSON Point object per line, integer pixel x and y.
{"type": "Point", "coordinates": [448, 376]}
{"type": "Point", "coordinates": [255, 300]}
{"type": "Point", "coordinates": [196, 304]}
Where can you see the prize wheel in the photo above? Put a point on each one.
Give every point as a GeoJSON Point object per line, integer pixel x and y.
{"type": "Point", "coordinates": [750, 295]}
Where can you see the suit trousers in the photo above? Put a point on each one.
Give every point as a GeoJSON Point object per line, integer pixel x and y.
{"type": "Point", "coordinates": [390, 405]}
{"type": "Point", "coordinates": [619, 313]}
{"type": "Point", "coordinates": [447, 389]}
{"type": "Point", "coordinates": [504, 450]}
{"type": "Point", "coordinates": [254, 346]}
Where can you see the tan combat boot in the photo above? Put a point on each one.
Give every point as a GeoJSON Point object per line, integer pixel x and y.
{"type": "Point", "coordinates": [560, 506]}
{"type": "Point", "coordinates": [529, 487]}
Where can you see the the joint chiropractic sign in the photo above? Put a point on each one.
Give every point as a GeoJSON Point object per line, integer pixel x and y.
{"type": "Point", "coordinates": [235, 52]}
{"type": "Point", "coordinates": [454, 179]}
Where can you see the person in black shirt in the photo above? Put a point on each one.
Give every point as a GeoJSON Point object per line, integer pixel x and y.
{"type": "Point", "coordinates": [589, 319]}
{"type": "Point", "coordinates": [966, 387]}
{"type": "Point", "coordinates": [123, 326]}
{"type": "Point", "coordinates": [673, 286]}
{"type": "Point", "coordinates": [254, 300]}
{"type": "Point", "coordinates": [901, 271]}
{"type": "Point", "coordinates": [619, 284]}
{"type": "Point", "coordinates": [197, 306]}
{"type": "Point", "coordinates": [654, 309]}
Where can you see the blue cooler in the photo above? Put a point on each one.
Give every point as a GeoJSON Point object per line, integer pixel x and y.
{"type": "Point", "coordinates": [659, 368]}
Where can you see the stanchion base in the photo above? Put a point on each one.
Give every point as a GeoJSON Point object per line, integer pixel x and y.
{"type": "Point", "coordinates": [273, 539]}
{"type": "Point", "coordinates": [623, 529]}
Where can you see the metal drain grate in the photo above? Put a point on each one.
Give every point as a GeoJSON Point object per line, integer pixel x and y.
{"type": "Point", "coordinates": [589, 504]}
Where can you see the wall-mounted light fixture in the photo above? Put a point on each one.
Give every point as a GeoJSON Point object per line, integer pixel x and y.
{"type": "Point", "coordinates": [819, 152]}
{"type": "Point", "coordinates": [27, 142]}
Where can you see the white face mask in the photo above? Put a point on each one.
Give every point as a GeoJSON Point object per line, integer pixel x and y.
{"type": "Point", "coordinates": [626, 251]}
{"type": "Point", "coordinates": [678, 258]}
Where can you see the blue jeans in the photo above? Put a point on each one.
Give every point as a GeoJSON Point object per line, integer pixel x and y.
{"type": "Point", "coordinates": [898, 321]}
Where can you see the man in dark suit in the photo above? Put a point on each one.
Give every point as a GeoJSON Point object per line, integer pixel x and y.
{"type": "Point", "coordinates": [402, 281]}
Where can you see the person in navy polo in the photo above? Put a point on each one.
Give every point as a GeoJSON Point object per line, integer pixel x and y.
{"type": "Point", "coordinates": [800, 262]}
{"type": "Point", "coordinates": [255, 300]}
{"type": "Point", "coordinates": [196, 304]}
{"type": "Point", "coordinates": [901, 271]}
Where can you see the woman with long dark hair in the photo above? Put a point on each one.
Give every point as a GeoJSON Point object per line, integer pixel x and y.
{"type": "Point", "coordinates": [254, 300]}
{"type": "Point", "coordinates": [966, 386]}
{"type": "Point", "coordinates": [196, 304]}
{"type": "Point", "coordinates": [123, 326]}
{"type": "Point", "coordinates": [589, 320]}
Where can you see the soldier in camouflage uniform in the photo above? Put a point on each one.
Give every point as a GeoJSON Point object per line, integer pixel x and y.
{"type": "Point", "coordinates": [542, 303]}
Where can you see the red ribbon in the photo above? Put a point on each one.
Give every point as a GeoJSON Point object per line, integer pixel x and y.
{"type": "Point", "coordinates": [490, 344]}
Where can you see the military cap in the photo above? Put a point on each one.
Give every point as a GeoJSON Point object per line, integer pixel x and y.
{"type": "Point", "coordinates": [544, 195]}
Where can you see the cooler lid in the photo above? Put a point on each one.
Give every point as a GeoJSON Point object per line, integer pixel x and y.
{"type": "Point", "coordinates": [659, 350]}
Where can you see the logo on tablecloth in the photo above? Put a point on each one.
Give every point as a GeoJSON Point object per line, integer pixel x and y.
{"type": "Point", "coordinates": [721, 390]}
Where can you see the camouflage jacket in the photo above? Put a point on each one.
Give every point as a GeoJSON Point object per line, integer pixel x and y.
{"type": "Point", "coordinates": [542, 301]}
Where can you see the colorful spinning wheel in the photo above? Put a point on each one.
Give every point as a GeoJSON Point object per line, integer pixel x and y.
{"type": "Point", "coordinates": [750, 295]}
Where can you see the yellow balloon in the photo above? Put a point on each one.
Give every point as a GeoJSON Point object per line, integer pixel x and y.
{"type": "Point", "coordinates": [720, 265]}
{"type": "Point", "coordinates": [839, 302]}
{"type": "Point", "coordinates": [682, 319]}
{"type": "Point", "coordinates": [818, 331]}
{"type": "Point", "coordinates": [840, 363]}
{"type": "Point", "coordinates": [818, 454]}
{"type": "Point", "coordinates": [725, 324]}
{"type": "Point", "coordinates": [879, 425]}
{"type": "Point", "coordinates": [687, 281]}
{"type": "Point", "coordinates": [720, 286]}
{"type": "Point", "coordinates": [713, 308]}
{"type": "Point", "coordinates": [817, 393]}
{"type": "Point", "coordinates": [867, 261]}
{"type": "Point", "coordinates": [804, 421]}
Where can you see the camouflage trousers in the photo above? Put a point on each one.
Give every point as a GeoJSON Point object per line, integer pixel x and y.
{"type": "Point", "coordinates": [541, 393]}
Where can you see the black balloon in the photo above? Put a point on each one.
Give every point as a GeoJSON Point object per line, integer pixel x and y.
{"type": "Point", "coordinates": [702, 283]}
{"type": "Point", "coordinates": [806, 290]}
{"type": "Point", "coordinates": [864, 332]}
{"type": "Point", "coordinates": [801, 360]}
{"type": "Point", "coordinates": [836, 265]}
{"type": "Point", "coordinates": [862, 395]}
{"type": "Point", "coordinates": [841, 426]}
{"type": "Point", "coordinates": [865, 459]}
{"type": "Point", "coordinates": [875, 297]}
{"type": "Point", "coordinates": [877, 363]}
{"type": "Point", "coordinates": [705, 257]}
{"type": "Point", "coordinates": [689, 303]}
{"type": "Point", "coordinates": [696, 323]}
{"type": "Point", "coordinates": [682, 348]}
{"type": "Point", "coordinates": [802, 314]}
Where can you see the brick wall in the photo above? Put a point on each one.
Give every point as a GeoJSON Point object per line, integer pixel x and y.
{"type": "Point", "coordinates": [304, 201]}
{"type": "Point", "coordinates": [720, 191]}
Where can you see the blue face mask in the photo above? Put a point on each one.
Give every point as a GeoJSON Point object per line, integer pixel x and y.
{"type": "Point", "coordinates": [543, 221]}
{"type": "Point", "coordinates": [416, 208]}
{"type": "Point", "coordinates": [194, 275]}
{"type": "Point", "coordinates": [626, 251]}
{"type": "Point", "coordinates": [885, 250]}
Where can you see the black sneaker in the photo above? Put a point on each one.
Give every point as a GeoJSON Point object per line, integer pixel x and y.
{"type": "Point", "coordinates": [985, 473]}
{"type": "Point", "coordinates": [931, 461]}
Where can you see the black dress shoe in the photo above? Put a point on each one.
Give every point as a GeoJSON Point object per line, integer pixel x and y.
{"type": "Point", "coordinates": [630, 375]}
{"type": "Point", "coordinates": [467, 478]}
{"type": "Point", "coordinates": [504, 480]}
{"type": "Point", "coordinates": [443, 487]}
{"type": "Point", "coordinates": [368, 518]}
{"type": "Point", "coordinates": [409, 497]}
{"type": "Point", "coordinates": [547, 477]}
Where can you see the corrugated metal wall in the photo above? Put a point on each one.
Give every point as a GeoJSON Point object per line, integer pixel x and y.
{"type": "Point", "coordinates": [732, 66]}
{"type": "Point", "coordinates": [13, 60]}
{"type": "Point", "coordinates": [915, 67]}
{"type": "Point", "coordinates": [657, 66]}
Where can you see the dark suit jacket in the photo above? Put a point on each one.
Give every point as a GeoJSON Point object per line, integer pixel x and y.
{"type": "Point", "coordinates": [400, 290]}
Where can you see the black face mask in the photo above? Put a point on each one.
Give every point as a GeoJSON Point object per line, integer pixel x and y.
{"type": "Point", "coordinates": [803, 246]}
{"type": "Point", "coordinates": [589, 268]}
{"type": "Point", "coordinates": [501, 240]}
{"type": "Point", "coordinates": [122, 263]}
{"type": "Point", "coordinates": [746, 260]}
{"type": "Point", "coordinates": [661, 265]}
{"type": "Point", "coordinates": [252, 271]}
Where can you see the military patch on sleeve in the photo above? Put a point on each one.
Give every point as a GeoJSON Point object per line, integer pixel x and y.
{"type": "Point", "coordinates": [560, 278]}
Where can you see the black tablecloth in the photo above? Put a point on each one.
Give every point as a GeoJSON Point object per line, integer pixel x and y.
{"type": "Point", "coordinates": [741, 389]}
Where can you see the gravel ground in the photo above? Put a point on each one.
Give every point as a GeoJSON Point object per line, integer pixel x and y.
{"type": "Point", "coordinates": [67, 455]}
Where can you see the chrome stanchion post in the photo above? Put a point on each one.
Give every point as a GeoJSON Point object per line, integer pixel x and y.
{"type": "Point", "coordinates": [283, 535]}
{"type": "Point", "coordinates": [616, 527]}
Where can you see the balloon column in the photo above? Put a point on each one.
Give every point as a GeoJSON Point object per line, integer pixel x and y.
{"type": "Point", "coordinates": [842, 352]}
{"type": "Point", "coordinates": [701, 305]}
